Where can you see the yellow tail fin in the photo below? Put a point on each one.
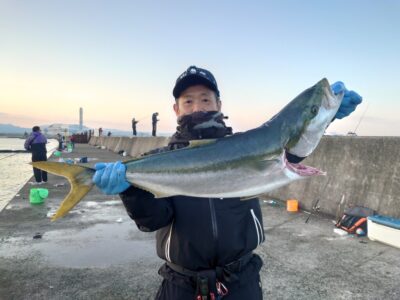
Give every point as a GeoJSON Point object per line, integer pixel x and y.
{"type": "Point", "coordinates": [78, 176]}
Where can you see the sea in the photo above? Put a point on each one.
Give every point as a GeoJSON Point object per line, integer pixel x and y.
{"type": "Point", "coordinates": [15, 167]}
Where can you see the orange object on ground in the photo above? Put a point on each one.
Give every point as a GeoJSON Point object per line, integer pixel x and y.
{"type": "Point", "coordinates": [292, 205]}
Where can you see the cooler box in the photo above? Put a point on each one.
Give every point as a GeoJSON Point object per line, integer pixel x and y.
{"type": "Point", "coordinates": [384, 229]}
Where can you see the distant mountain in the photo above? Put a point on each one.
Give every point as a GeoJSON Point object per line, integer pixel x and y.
{"type": "Point", "coordinates": [72, 128]}
{"type": "Point", "coordinates": [12, 129]}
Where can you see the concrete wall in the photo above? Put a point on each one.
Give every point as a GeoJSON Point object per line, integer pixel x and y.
{"type": "Point", "coordinates": [133, 146]}
{"type": "Point", "coordinates": [365, 170]}
{"type": "Point", "coordinates": [93, 140]}
{"type": "Point", "coordinates": [144, 144]}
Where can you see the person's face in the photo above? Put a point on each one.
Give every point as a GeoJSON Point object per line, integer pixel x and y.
{"type": "Point", "coordinates": [196, 98]}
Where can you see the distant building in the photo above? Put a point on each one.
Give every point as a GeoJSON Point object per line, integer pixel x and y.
{"type": "Point", "coordinates": [54, 129]}
{"type": "Point", "coordinates": [80, 118]}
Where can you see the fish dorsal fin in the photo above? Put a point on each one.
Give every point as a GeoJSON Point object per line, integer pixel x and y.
{"type": "Point", "coordinates": [264, 163]}
{"type": "Point", "coordinates": [197, 143]}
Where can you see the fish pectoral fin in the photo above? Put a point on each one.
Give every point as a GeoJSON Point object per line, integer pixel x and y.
{"type": "Point", "coordinates": [78, 176]}
{"type": "Point", "coordinates": [197, 143]}
{"type": "Point", "coordinates": [263, 164]}
{"type": "Point", "coordinates": [161, 195]}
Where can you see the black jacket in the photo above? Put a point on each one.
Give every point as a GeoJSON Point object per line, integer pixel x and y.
{"type": "Point", "coordinates": [197, 233]}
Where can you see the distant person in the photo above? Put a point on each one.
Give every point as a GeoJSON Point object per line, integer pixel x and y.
{"type": "Point", "coordinates": [100, 131]}
{"type": "Point", "coordinates": [60, 142]}
{"type": "Point", "coordinates": [72, 140]}
{"type": "Point", "coordinates": [36, 143]}
{"type": "Point", "coordinates": [154, 121]}
{"type": "Point", "coordinates": [134, 122]}
{"type": "Point", "coordinates": [109, 133]}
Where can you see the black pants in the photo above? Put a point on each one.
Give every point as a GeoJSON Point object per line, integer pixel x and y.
{"type": "Point", "coordinates": [39, 174]}
{"type": "Point", "coordinates": [154, 132]}
{"type": "Point", "coordinates": [176, 286]}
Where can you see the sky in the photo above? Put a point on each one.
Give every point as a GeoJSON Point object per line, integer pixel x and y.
{"type": "Point", "coordinates": [120, 59]}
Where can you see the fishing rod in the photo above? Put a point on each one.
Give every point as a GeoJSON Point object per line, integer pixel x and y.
{"type": "Point", "coordinates": [8, 156]}
{"type": "Point", "coordinates": [13, 151]}
{"type": "Point", "coordinates": [315, 206]}
{"type": "Point", "coordinates": [147, 116]}
{"type": "Point", "coordinates": [361, 118]}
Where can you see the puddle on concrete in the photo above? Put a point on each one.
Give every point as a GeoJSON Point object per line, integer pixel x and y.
{"type": "Point", "coordinates": [101, 245]}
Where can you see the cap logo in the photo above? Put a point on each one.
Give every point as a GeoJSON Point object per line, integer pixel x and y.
{"type": "Point", "coordinates": [183, 75]}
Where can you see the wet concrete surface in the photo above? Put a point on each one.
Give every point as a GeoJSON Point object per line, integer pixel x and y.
{"type": "Point", "coordinates": [96, 252]}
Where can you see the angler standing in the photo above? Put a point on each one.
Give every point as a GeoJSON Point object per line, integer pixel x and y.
{"type": "Point", "coordinates": [207, 243]}
{"type": "Point", "coordinates": [36, 143]}
{"type": "Point", "coordinates": [134, 122]}
{"type": "Point", "coordinates": [154, 121]}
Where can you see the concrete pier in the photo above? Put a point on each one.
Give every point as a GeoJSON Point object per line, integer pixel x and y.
{"type": "Point", "coordinates": [96, 251]}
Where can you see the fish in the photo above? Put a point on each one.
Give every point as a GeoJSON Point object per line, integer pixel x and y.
{"type": "Point", "coordinates": [242, 165]}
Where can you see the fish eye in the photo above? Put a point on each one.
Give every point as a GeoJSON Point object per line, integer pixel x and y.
{"type": "Point", "coordinates": [314, 109]}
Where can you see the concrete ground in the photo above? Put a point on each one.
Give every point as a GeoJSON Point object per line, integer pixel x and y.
{"type": "Point", "coordinates": [96, 252]}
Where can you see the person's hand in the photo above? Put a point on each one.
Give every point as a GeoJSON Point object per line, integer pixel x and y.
{"type": "Point", "coordinates": [110, 178]}
{"type": "Point", "coordinates": [350, 100]}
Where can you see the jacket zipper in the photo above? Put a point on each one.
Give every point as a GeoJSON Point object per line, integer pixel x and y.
{"type": "Point", "coordinates": [259, 229]}
{"type": "Point", "coordinates": [168, 243]}
{"type": "Point", "coordinates": [213, 219]}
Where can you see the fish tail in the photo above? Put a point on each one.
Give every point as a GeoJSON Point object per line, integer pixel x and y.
{"type": "Point", "coordinates": [79, 177]}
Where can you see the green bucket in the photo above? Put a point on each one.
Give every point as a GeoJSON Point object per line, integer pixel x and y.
{"type": "Point", "coordinates": [57, 153]}
{"type": "Point", "coordinates": [37, 196]}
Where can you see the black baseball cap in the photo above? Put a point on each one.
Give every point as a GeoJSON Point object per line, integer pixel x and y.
{"type": "Point", "coordinates": [193, 76]}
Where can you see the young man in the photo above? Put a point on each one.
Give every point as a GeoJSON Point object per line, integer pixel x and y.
{"type": "Point", "coordinates": [206, 243]}
{"type": "Point", "coordinates": [36, 143]}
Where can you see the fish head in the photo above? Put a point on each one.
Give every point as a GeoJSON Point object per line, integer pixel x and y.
{"type": "Point", "coordinates": [310, 114]}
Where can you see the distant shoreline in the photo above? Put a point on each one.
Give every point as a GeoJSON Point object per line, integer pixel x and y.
{"type": "Point", "coordinates": [12, 135]}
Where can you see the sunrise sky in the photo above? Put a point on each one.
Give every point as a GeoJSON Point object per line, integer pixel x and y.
{"type": "Point", "coordinates": [120, 59]}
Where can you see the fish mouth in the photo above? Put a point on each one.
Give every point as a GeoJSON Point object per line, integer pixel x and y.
{"type": "Point", "coordinates": [303, 170]}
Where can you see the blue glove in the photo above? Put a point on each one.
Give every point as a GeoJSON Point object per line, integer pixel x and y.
{"type": "Point", "coordinates": [350, 100]}
{"type": "Point", "coordinates": [110, 178]}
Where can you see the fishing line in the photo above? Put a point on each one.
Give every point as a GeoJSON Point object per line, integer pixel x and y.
{"type": "Point", "coordinates": [148, 116]}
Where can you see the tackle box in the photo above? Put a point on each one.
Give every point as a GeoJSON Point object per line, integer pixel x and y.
{"type": "Point", "coordinates": [384, 229]}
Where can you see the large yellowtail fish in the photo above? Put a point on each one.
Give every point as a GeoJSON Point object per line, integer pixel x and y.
{"type": "Point", "coordinates": [241, 165]}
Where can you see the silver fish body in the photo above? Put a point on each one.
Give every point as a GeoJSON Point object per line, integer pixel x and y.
{"type": "Point", "coordinates": [246, 164]}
